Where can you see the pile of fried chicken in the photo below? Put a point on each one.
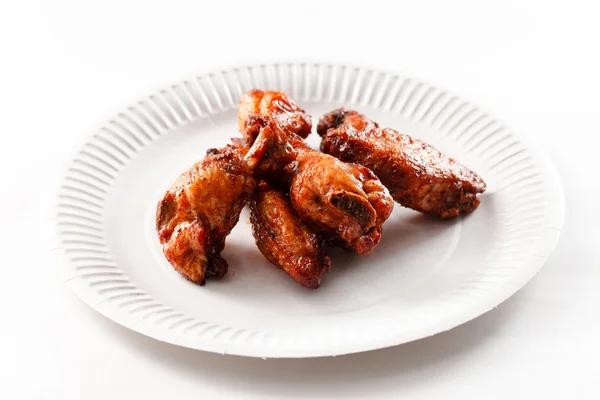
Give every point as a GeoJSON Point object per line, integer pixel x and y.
{"type": "Point", "coordinates": [301, 199]}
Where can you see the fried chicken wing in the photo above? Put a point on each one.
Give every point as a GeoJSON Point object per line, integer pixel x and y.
{"type": "Point", "coordinates": [417, 175]}
{"type": "Point", "coordinates": [200, 210]}
{"type": "Point", "coordinates": [285, 240]}
{"type": "Point", "coordinates": [345, 203]}
{"type": "Point", "coordinates": [276, 105]}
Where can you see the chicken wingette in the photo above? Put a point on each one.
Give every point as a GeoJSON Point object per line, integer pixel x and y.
{"type": "Point", "coordinates": [417, 175]}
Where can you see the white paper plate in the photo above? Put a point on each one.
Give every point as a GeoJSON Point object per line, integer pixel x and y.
{"type": "Point", "coordinates": [426, 276]}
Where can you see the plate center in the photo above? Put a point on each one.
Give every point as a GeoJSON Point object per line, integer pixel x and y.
{"type": "Point", "coordinates": [412, 249]}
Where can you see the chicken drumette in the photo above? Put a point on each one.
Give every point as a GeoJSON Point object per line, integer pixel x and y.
{"type": "Point", "coordinates": [200, 210]}
{"type": "Point", "coordinates": [343, 202]}
{"type": "Point", "coordinates": [276, 105]}
{"type": "Point", "coordinates": [285, 240]}
{"type": "Point", "coordinates": [417, 175]}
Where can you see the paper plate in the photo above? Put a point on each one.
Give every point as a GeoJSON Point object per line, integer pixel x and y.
{"type": "Point", "coordinates": [426, 276]}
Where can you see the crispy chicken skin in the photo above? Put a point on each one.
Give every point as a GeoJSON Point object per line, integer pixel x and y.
{"type": "Point", "coordinates": [276, 105]}
{"type": "Point", "coordinates": [200, 210]}
{"type": "Point", "coordinates": [417, 175]}
{"type": "Point", "coordinates": [345, 203]}
{"type": "Point", "coordinates": [285, 240]}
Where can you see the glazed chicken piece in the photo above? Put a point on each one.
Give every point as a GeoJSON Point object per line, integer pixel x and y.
{"type": "Point", "coordinates": [276, 105]}
{"type": "Point", "coordinates": [285, 240]}
{"type": "Point", "coordinates": [417, 175]}
{"type": "Point", "coordinates": [200, 210]}
{"type": "Point", "coordinates": [343, 202]}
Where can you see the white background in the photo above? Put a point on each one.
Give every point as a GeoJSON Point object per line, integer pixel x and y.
{"type": "Point", "coordinates": [66, 66]}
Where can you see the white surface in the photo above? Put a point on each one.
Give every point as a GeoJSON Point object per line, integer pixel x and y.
{"type": "Point", "coordinates": [543, 342]}
{"type": "Point", "coordinates": [425, 276]}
